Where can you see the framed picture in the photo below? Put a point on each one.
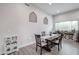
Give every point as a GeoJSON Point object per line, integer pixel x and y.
{"type": "Point", "coordinates": [33, 17]}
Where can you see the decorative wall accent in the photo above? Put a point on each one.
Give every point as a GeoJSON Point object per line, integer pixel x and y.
{"type": "Point", "coordinates": [33, 17]}
{"type": "Point", "coordinates": [45, 21]}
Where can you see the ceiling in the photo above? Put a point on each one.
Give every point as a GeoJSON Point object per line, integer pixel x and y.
{"type": "Point", "coordinates": [56, 8]}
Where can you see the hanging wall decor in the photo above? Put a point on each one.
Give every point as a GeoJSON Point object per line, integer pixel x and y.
{"type": "Point", "coordinates": [33, 17]}
{"type": "Point", "coordinates": [45, 20]}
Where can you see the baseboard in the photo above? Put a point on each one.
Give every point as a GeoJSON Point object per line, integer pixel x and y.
{"type": "Point", "coordinates": [26, 44]}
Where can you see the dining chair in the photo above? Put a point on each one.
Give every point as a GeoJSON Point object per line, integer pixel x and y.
{"type": "Point", "coordinates": [43, 33]}
{"type": "Point", "coordinates": [39, 43]}
{"type": "Point", "coordinates": [58, 42]}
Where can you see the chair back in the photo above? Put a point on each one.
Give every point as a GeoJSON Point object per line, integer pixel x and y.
{"type": "Point", "coordinates": [38, 39]}
{"type": "Point", "coordinates": [60, 38]}
{"type": "Point", "coordinates": [43, 33]}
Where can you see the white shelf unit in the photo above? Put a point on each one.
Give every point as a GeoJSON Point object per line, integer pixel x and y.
{"type": "Point", "coordinates": [10, 45]}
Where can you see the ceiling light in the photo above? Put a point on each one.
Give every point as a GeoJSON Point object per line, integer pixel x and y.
{"type": "Point", "coordinates": [27, 4]}
{"type": "Point", "coordinates": [58, 11]}
{"type": "Point", "coordinates": [50, 3]}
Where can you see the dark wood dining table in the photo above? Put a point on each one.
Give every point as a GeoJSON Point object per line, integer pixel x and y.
{"type": "Point", "coordinates": [49, 39]}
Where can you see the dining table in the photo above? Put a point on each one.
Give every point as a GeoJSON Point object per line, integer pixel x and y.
{"type": "Point", "coordinates": [48, 39]}
{"type": "Point", "coordinates": [52, 37]}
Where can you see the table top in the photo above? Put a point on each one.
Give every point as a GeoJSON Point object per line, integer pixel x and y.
{"type": "Point", "coordinates": [53, 36]}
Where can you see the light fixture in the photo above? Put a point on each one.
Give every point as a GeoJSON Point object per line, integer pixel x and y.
{"type": "Point", "coordinates": [50, 3]}
{"type": "Point", "coordinates": [58, 11]}
{"type": "Point", "coordinates": [27, 4]}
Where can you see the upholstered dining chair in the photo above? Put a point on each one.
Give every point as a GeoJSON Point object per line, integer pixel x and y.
{"type": "Point", "coordinates": [58, 42]}
{"type": "Point", "coordinates": [39, 43]}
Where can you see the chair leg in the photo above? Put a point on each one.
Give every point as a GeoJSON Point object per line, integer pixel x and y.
{"type": "Point", "coordinates": [58, 48]}
{"type": "Point", "coordinates": [40, 50]}
{"type": "Point", "coordinates": [61, 45]}
{"type": "Point", "coordinates": [36, 48]}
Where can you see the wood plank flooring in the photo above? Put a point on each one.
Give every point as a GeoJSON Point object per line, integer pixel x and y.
{"type": "Point", "coordinates": [69, 48]}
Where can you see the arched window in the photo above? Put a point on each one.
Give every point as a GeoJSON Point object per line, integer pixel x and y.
{"type": "Point", "coordinates": [33, 17]}
{"type": "Point", "coordinates": [45, 21]}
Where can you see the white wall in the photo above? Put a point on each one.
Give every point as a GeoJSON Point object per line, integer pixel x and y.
{"type": "Point", "coordinates": [14, 21]}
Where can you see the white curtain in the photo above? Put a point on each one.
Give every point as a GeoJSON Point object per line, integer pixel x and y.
{"type": "Point", "coordinates": [67, 26]}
